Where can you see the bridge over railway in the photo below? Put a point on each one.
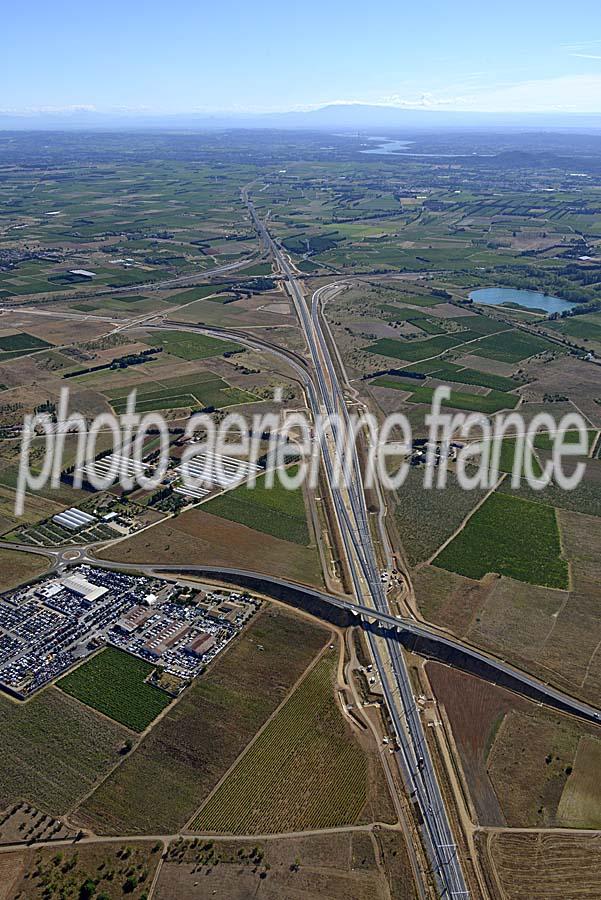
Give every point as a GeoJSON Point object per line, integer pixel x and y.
{"type": "Point", "coordinates": [344, 612]}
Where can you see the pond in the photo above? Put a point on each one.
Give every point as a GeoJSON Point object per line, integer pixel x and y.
{"type": "Point", "coordinates": [527, 299]}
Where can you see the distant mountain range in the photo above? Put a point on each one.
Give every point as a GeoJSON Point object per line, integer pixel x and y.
{"type": "Point", "coordinates": [342, 116]}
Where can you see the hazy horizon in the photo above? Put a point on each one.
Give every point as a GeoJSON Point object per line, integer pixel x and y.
{"type": "Point", "coordinates": [235, 59]}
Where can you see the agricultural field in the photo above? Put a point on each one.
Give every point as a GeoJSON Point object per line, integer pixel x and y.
{"type": "Point", "coordinates": [510, 537]}
{"type": "Point", "coordinates": [19, 344]}
{"type": "Point", "coordinates": [304, 771]}
{"type": "Point", "coordinates": [16, 567]}
{"type": "Point", "coordinates": [580, 804]}
{"type": "Point", "coordinates": [232, 700]}
{"type": "Point", "coordinates": [151, 217]}
{"type": "Point", "coordinates": [584, 328]}
{"type": "Point", "coordinates": [196, 534]}
{"type": "Point", "coordinates": [275, 511]}
{"type": "Point", "coordinates": [114, 683]}
{"type": "Point", "coordinates": [489, 403]}
{"type": "Point", "coordinates": [511, 346]}
{"type": "Point", "coordinates": [427, 518]}
{"type": "Point", "coordinates": [416, 350]}
{"type": "Point", "coordinates": [338, 866]}
{"type": "Point", "coordinates": [54, 750]}
{"type": "Point", "coordinates": [552, 634]}
{"type": "Point", "coordinates": [530, 763]}
{"type": "Point", "coordinates": [191, 391]}
{"type": "Point", "coordinates": [189, 345]}
{"type": "Point", "coordinates": [545, 864]}
{"type": "Point", "coordinates": [110, 871]}
{"type": "Point", "coordinates": [525, 765]}
{"type": "Point", "coordinates": [450, 372]}
{"type": "Point", "coordinates": [584, 498]}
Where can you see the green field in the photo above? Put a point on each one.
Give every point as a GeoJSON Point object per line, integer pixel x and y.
{"type": "Point", "coordinates": [428, 518]}
{"type": "Point", "coordinates": [485, 403]}
{"type": "Point", "coordinates": [581, 327]}
{"type": "Point", "coordinates": [274, 511]}
{"type": "Point", "coordinates": [304, 771]}
{"type": "Point", "coordinates": [511, 537]}
{"type": "Point", "coordinates": [113, 682]}
{"type": "Point", "coordinates": [506, 346]}
{"type": "Point", "coordinates": [22, 341]}
{"type": "Point", "coordinates": [414, 350]}
{"type": "Point", "coordinates": [543, 441]}
{"type": "Point", "coordinates": [188, 345]}
{"type": "Point", "coordinates": [453, 373]}
{"type": "Point", "coordinates": [507, 458]}
{"type": "Point", "coordinates": [197, 293]}
{"type": "Point", "coordinates": [511, 346]}
{"type": "Point", "coordinates": [204, 389]}
{"type": "Point", "coordinates": [14, 345]}
{"type": "Point", "coordinates": [260, 269]}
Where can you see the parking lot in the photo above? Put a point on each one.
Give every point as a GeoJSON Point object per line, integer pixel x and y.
{"type": "Point", "coordinates": [49, 626]}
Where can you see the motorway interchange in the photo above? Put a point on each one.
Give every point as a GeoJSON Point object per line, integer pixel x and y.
{"type": "Point", "coordinates": [325, 395]}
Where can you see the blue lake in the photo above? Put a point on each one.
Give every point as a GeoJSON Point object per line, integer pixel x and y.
{"type": "Point", "coordinates": [392, 148]}
{"type": "Point", "coordinates": [527, 299]}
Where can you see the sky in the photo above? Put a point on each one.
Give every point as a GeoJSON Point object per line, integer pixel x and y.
{"type": "Point", "coordinates": [185, 56]}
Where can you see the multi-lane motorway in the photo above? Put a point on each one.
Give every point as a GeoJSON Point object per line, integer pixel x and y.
{"type": "Point", "coordinates": [326, 397]}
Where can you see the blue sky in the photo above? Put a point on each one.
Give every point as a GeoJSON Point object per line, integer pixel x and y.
{"type": "Point", "coordinates": [182, 56]}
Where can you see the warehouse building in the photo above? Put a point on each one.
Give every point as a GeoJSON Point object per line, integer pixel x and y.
{"type": "Point", "coordinates": [201, 644]}
{"type": "Point", "coordinates": [83, 588]}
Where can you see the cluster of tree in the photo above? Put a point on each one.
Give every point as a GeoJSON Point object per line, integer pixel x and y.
{"type": "Point", "coordinates": [120, 362]}
{"type": "Point", "coordinates": [419, 376]}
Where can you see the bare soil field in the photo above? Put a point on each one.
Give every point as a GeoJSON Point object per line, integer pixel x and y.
{"type": "Point", "coordinates": [115, 870]}
{"type": "Point", "coordinates": [517, 757]}
{"type": "Point", "coordinates": [55, 330]}
{"type": "Point", "coordinates": [517, 618]}
{"type": "Point", "coordinates": [196, 535]}
{"type": "Point", "coordinates": [580, 803]}
{"type": "Point", "coordinates": [165, 779]}
{"type": "Point", "coordinates": [241, 313]}
{"type": "Point", "coordinates": [449, 599]}
{"type": "Point", "coordinates": [346, 866]}
{"type": "Point", "coordinates": [448, 311]}
{"type": "Point", "coordinates": [529, 764]}
{"type": "Point", "coordinates": [491, 366]}
{"type": "Point", "coordinates": [21, 822]}
{"type": "Point", "coordinates": [475, 710]}
{"type": "Point", "coordinates": [567, 376]}
{"type": "Point", "coordinates": [544, 866]}
{"type": "Point", "coordinates": [16, 567]}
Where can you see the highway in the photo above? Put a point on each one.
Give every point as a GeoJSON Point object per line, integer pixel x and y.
{"type": "Point", "coordinates": [415, 761]}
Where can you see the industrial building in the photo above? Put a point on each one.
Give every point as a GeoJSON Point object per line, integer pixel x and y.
{"type": "Point", "coordinates": [201, 644]}
{"type": "Point", "coordinates": [134, 619]}
{"type": "Point", "coordinates": [79, 585]}
{"type": "Point", "coordinates": [165, 638]}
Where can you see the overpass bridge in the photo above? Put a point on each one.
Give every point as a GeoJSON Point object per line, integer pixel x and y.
{"type": "Point", "coordinates": [344, 612]}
